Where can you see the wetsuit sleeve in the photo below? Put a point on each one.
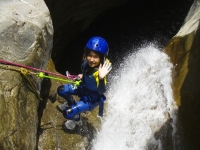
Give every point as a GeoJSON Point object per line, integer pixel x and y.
{"type": "Point", "coordinates": [102, 87]}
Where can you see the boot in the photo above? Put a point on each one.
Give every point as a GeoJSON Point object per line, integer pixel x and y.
{"type": "Point", "coordinates": [71, 124]}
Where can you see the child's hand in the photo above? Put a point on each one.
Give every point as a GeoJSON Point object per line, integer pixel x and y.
{"type": "Point", "coordinates": [80, 76]}
{"type": "Point", "coordinates": [105, 69]}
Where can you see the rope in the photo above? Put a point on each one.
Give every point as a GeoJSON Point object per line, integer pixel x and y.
{"type": "Point", "coordinates": [71, 77]}
{"type": "Point", "coordinates": [41, 75]}
{"type": "Point", "coordinates": [24, 72]}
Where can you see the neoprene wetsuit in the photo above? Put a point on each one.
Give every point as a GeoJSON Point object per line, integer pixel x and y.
{"type": "Point", "coordinates": [90, 92]}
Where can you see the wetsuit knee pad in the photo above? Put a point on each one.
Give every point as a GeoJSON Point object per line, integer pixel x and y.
{"type": "Point", "coordinates": [78, 108]}
{"type": "Point", "coordinates": [65, 89]}
{"type": "Point", "coordinates": [61, 90]}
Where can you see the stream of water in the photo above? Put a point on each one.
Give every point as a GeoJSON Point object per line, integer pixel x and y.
{"type": "Point", "coordinates": [139, 102]}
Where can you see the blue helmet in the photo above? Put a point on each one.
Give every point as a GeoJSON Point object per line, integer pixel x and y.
{"type": "Point", "coordinates": [98, 44]}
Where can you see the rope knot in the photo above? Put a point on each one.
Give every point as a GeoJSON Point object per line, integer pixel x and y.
{"type": "Point", "coordinates": [24, 71]}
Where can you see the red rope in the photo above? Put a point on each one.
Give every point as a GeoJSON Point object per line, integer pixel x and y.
{"type": "Point", "coordinates": [35, 69]}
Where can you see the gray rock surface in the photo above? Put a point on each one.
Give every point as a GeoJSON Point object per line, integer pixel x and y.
{"type": "Point", "coordinates": [26, 36]}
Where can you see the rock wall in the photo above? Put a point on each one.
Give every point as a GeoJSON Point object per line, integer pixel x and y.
{"type": "Point", "coordinates": [26, 36]}
{"type": "Point", "coordinates": [184, 51]}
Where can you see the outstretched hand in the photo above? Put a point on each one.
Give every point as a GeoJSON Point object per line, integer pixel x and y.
{"type": "Point", "coordinates": [105, 69]}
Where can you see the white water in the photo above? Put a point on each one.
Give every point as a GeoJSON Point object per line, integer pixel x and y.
{"type": "Point", "coordinates": [139, 102]}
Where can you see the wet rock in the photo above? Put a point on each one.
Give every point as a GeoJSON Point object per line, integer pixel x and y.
{"type": "Point", "coordinates": [26, 35]}
{"type": "Point", "coordinates": [184, 52]}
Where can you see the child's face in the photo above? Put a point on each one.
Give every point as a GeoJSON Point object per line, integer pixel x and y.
{"type": "Point", "coordinates": [93, 59]}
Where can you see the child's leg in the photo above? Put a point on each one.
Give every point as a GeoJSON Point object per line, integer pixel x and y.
{"type": "Point", "coordinates": [84, 104]}
{"type": "Point", "coordinates": [66, 91]}
{"type": "Point", "coordinates": [71, 112]}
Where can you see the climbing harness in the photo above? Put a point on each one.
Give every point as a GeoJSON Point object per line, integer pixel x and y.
{"type": "Point", "coordinates": [26, 70]}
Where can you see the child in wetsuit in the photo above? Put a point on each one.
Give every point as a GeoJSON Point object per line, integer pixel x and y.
{"type": "Point", "coordinates": [93, 83]}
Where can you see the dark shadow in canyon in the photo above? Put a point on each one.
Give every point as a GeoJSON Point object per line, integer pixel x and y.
{"type": "Point", "coordinates": [126, 28]}
{"type": "Point", "coordinates": [189, 113]}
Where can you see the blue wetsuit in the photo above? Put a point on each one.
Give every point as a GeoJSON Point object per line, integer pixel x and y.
{"type": "Point", "coordinates": [90, 92]}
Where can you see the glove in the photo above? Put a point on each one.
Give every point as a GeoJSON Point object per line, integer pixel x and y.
{"type": "Point", "coordinates": [105, 69]}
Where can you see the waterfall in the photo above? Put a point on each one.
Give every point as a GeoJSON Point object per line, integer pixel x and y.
{"type": "Point", "coordinates": [139, 102]}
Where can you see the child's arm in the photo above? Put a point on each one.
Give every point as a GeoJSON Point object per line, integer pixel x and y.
{"type": "Point", "coordinates": [105, 69]}
{"type": "Point", "coordinates": [80, 76]}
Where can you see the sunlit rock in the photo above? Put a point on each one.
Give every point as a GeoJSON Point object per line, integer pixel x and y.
{"type": "Point", "coordinates": [184, 51]}
{"type": "Point", "coordinates": [25, 38]}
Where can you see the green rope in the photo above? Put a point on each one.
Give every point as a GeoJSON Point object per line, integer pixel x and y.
{"type": "Point", "coordinates": [41, 75]}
